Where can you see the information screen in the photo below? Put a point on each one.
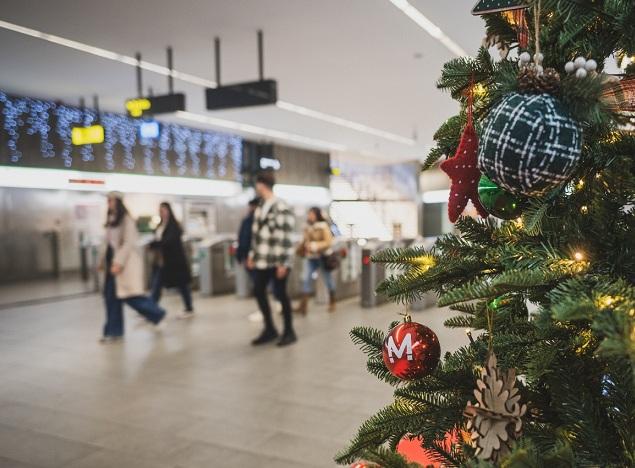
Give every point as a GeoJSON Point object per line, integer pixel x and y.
{"type": "Point", "coordinates": [37, 133]}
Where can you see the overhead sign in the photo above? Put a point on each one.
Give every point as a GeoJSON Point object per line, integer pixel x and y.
{"type": "Point", "coordinates": [136, 107]}
{"type": "Point", "coordinates": [149, 129]}
{"type": "Point", "coordinates": [254, 93]}
{"type": "Point", "coordinates": [140, 107]}
{"type": "Point", "coordinates": [87, 135]}
{"type": "Point", "coordinates": [270, 163]}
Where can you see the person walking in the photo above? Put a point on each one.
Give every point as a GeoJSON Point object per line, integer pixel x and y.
{"type": "Point", "coordinates": [245, 232]}
{"type": "Point", "coordinates": [171, 268]}
{"type": "Point", "coordinates": [316, 247]}
{"type": "Point", "coordinates": [270, 258]}
{"type": "Point", "coordinates": [123, 267]}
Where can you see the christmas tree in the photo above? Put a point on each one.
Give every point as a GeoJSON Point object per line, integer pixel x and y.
{"type": "Point", "coordinates": [548, 291]}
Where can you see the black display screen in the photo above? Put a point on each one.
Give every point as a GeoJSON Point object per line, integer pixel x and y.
{"type": "Point", "coordinates": [37, 133]}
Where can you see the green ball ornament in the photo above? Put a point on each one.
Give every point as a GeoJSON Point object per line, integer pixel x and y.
{"type": "Point", "coordinates": [530, 144]}
{"type": "Point", "coordinates": [497, 201]}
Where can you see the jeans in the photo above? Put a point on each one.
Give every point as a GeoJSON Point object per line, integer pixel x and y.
{"type": "Point", "coordinates": [156, 285]}
{"type": "Point", "coordinates": [114, 308]}
{"type": "Point", "coordinates": [261, 279]}
{"type": "Point", "coordinates": [313, 265]}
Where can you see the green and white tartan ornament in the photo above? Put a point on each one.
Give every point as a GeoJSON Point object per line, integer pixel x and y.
{"type": "Point", "coordinates": [530, 144]}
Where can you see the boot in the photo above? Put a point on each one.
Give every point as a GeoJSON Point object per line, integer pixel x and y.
{"type": "Point", "coordinates": [288, 338]}
{"type": "Point", "coordinates": [303, 305]}
{"type": "Point", "coordinates": [332, 301]}
{"type": "Point", "coordinates": [267, 335]}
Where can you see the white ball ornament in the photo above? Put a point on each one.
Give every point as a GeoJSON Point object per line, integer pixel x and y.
{"type": "Point", "coordinates": [538, 58]}
{"type": "Point", "coordinates": [579, 62]}
{"type": "Point", "coordinates": [591, 65]}
{"type": "Point", "coordinates": [580, 73]}
{"type": "Point", "coordinates": [524, 57]}
{"type": "Point", "coordinates": [569, 67]}
{"type": "Point", "coordinates": [539, 69]}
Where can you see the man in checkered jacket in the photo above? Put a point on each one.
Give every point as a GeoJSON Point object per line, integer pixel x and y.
{"type": "Point", "coordinates": [271, 256]}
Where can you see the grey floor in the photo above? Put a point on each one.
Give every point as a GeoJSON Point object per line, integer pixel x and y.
{"type": "Point", "coordinates": [24, 292]}
{"type": "Point", "coordinates": [196, 395]}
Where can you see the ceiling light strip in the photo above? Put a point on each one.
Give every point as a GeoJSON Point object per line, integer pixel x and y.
{"type": "Point", "coordinates": [344, 122]}
{"type": "Point", "coordinates": [107, 54]}
{"type": "Point", "coordinates": [196, 80]}
{"type": "Point", "coordinates": [429, 27]}
{"type": "Point", "coordinates": [260, 131]}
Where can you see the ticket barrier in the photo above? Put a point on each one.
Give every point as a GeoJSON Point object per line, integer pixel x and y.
{"type": "Point", "coordinates": [216, 270]}
{"type": "Point", "coordinates": [372, 274]}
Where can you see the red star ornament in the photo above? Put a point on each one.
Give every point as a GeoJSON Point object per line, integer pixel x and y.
{"type": "Point", "coordinates": [463, 171]}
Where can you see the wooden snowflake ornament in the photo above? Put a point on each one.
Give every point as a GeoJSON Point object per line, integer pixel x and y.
{"type": "Point", "coordinates": [495, 420]}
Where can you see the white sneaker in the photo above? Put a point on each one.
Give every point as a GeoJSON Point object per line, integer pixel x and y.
{"type": "Point", "coordinates": [255, 316]}
{"type": "Point", "coordinates": [141, 322]}
{"type": "Point", "coordinates": [185, 315]}
{"type": "Point", "coordinates": [110, 339]}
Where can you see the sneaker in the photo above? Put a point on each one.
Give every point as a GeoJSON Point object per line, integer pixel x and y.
{"type": "Point", "coordinates": [141, 322]}
{"type": "Point", "coordinates": [185, 315]}
{"type": "Point", "coordinates": [266, 337]}
{"type": "Point", "coordinates": [110, 339]}
{"type": "Point", "coordinates": [255, 316]}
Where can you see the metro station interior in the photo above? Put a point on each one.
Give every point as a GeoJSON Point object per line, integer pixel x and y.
{"type": "Point", "coordinates": [189, 103]}
{"type": "Point", "coordinates": [347, 134]}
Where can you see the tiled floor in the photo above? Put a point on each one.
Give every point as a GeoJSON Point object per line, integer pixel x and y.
{"type": "Point", "coordinates": [196, 395]}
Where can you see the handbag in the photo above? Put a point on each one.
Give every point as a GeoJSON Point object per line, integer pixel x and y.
{"type": "Point", "coordinates": [300, 250]}
{"type": "Point", "coordinates": [331, 261]}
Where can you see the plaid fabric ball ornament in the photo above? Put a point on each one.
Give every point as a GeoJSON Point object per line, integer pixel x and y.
{"type": "Point", "coordinates": [529, 145]}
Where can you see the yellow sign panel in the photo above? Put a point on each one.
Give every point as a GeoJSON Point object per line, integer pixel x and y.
{"type": "Point", "coordinates": [135, 107]}
{"type": "Point", "coordinates": [87, 135]}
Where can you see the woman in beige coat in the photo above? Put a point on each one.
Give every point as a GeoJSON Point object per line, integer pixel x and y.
{"type": "Point", "coordinates": [316, 246]}
{"type": "Point", "coordinates": [124, 271]}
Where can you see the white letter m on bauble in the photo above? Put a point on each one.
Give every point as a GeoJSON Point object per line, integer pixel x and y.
{"type": "Point", "coordinates": [406, 345]}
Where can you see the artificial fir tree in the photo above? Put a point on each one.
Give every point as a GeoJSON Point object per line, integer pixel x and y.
{"type": "Point", "coordinates": [551, 292]}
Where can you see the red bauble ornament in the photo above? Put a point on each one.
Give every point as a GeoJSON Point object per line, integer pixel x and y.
{"type": "Point", "coordinates": [411, 351]}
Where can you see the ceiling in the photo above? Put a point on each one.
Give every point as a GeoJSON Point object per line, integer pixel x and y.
{"type": "Point", "coordinates": [362, 60]}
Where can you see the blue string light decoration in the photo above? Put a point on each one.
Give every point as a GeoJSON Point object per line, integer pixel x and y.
{"type": "Point", "coordinates": [37, 133]}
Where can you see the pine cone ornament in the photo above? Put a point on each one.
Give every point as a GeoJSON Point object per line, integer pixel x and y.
{"type": "Point", "coordinates": [495, 420]}
{"type": "Point", "coordinates": [533, 80]}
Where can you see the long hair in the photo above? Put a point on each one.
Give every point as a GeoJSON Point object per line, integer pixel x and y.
{"type": "Point", "coordinates": [318, 213]}
{"type": "Point", "coordinates": [171, 218]}
{"type": "Point", "coordinates": [114, 217]}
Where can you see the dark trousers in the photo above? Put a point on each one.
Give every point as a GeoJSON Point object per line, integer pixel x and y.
{"type": "Point", "coordinates": [144, 305]}
{"type": "Point", "coordinates": [261, 279]}
{"type": "Point", "coordinates": [156, 286]}
{"type": "Point", "coordinates": [252, 277]}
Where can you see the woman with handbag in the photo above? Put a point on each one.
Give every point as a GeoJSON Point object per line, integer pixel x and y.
{"type": "Point", "coordinates": [123, 267]}
{"type": "Point", "coordinates": [317, 248]}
